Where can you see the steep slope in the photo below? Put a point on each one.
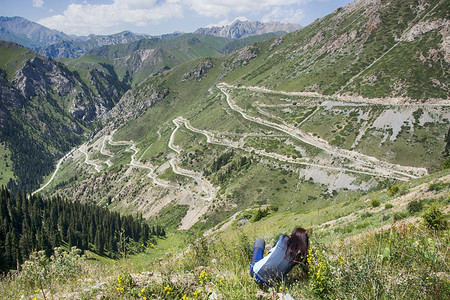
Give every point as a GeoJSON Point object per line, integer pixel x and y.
{"type": "Point", "coordinates": [46, 109]}
{"type": "Point", "coordinates": [369, 48]}
{"type": "Point", "coordinates": [216, 135]}
{"type": "Point", "coordinates": [136, 61]}
{"type": "Point", "coordinates": [242, 29]}
{"type": "Point", "coordinates": [27, 33]}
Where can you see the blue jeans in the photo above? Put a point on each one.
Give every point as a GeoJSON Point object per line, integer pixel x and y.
{"type": "Point", "coordinates": [258, 253]}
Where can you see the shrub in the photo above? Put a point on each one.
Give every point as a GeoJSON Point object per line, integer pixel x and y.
{"type": "Point", "coordinates": [436, 187]}
{"type": "Point", "coordinates": [434, 218]}
{"type": "Point", "coordinates": [415, 206]}
{"type": "Point", "coordinates": [388, 206]}
{"type": "Point", "coordinates": [375, 203]}
{"type": "Point", "coordinates": [362, 225]}
{"type": "Point", "coordinates": [393, 190]}
{"type": "Point", "coordinates": [39, 271]}
{"type": "Point", "coordinates": [446, 164]}
{"type": "Point", "coordinates": [320, 276]}
{"type": "Point", "coordinates": [365, 215]}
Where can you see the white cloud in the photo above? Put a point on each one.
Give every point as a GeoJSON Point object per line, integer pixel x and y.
{"type": "Point", "coordinates": [221, 8]}
{"type": "Point", "coordinates": [284, 15]}
{"type": "Point", "coordinates": [38, 3]}
{"type": "Point", "coordinates": [85, 18]}
{"type": "Point", "coordinates": [97, 18]}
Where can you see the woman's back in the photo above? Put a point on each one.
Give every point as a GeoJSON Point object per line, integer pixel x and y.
{"type": "Point", "coordinates": [275, 265]}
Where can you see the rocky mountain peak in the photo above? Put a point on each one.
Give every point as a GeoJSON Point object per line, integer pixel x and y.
{"type": "Point", "coordinates": [243, 29]}
{"type": "Point", "coordinates": [28, 33]}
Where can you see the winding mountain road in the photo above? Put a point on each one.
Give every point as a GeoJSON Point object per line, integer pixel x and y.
{"type": "Point", "coordinates": [376, 166]}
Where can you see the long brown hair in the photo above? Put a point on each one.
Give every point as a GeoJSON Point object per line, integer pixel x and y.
{"type": "Point", "coordinates": [297, 246]}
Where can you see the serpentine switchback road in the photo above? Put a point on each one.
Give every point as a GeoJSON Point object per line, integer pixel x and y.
{"type": "Point", "coordinates": [364, 164]}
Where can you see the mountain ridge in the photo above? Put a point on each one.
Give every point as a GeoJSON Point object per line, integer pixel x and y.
{"type": "Point", "coordinates": [28, 33]}
{"type": "Point", "coordinates": [241, 29]}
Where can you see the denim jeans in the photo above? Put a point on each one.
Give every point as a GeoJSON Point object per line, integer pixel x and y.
{"type": "Point", "coordinates": [258, 253]}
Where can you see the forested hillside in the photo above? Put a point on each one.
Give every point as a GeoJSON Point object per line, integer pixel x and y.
{"type": "Point", "coordinates": [33, 223]}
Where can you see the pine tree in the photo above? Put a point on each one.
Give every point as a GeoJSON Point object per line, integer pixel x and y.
{"type": "Point", "coordinates": [99, 243]}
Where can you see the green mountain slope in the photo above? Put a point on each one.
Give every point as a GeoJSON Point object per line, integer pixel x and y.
{"type": "Point", "coordinates": [214, 136]}
{"type": "Point", "coordinates": [136, 61]}
{"type": "Point", "coordinates": [46, 110]}
{"type": "Point", "coordinates": [369, 48]}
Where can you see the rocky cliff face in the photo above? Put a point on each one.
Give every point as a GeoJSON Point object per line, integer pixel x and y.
{"type": "Point", "coordinates": [242, 29]}
{"type": "Point", "coordinates": [45, 79]}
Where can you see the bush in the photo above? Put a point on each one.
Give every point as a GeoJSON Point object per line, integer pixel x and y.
{"type": "Point", "coordinates": [415, 206]}
{"type": "Point", "coordinates": [434, 218]}
{"type": "Point", "coordinates": [375, 203]}
{"type": "Point", "coordinates": [365, 215]}
{"type": "Point", "coordinates": [393, 190]}
{"type": "Point", "coordinates": [320, 276]}
{"type": "Point", "coordinates": [436, 187]}
{"type": "Point", "coordinates": [39, 270]}
{"type": "Point", "coordinates": [388, 206]}
{"type": "Point", "coordinates": [446, 164]}
{"type": "Point", "coordinates": [363, 225]}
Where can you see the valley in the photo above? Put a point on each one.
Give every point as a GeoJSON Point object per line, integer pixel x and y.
{"type": "Point", "coordinates": [312, 157]}
{"type": "Point", "coordinates": [165, 157]}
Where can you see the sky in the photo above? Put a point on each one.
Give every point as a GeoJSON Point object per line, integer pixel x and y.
{"type": "Point", "coordinates": [156, 17]}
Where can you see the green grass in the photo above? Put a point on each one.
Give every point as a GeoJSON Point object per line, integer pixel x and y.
{"type": "Point", "coordinates": [12, 58]}
{"type": "Point", "coordinates": [348, 257]}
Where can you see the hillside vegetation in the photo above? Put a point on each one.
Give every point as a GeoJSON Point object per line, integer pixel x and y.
{"type": "Point", "coordinates": [45, 111]}
{"type": "Point", "coordinates": [197, 137]}
{"type": "Point", "coordinates": [340, 128]}
{"type": "Point", "coordinates": [135, 61]}
{"type": "Point", "coordinates": [388, 248]}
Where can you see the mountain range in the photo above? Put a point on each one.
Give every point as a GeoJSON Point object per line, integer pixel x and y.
{"type": "Point", "coordinates": [241, 29]}
{"type": "Point", "coordinates": [175, 153]}
{"type": "Point", "coordinates": [46, 109]}
{"type": "Point", "coordinates": [55, 44]}
{"type": "Point", "coordinates": [29, 34]}
{"type": "Point", "coordinates": [80, 96]}
{"type": "Point", "coordinates": [349, 104]}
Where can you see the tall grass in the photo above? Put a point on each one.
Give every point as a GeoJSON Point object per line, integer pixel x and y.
{"type": "Point", "coordinates": [404, 261]}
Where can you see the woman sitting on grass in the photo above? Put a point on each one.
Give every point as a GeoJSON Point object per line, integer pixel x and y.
{"type": "Point", "coordinates": [285, 254]}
